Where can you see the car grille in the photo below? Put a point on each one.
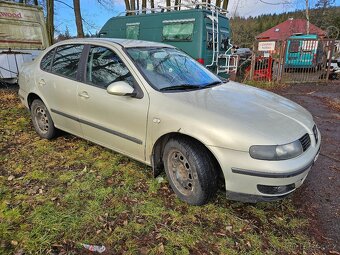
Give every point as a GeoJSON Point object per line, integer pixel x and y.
{"type": "Point", "coordinates": [305, 142]}
{"type": "Point", "coordinates": [316, 136]}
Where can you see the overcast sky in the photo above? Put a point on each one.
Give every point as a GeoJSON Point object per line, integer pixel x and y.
{"type": "Point", "coordinates": [96, 15]}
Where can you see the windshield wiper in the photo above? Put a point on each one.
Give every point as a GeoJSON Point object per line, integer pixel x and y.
{"type": "Point", "coordinates": [212, 84]}
{"type": "Point", "coordinates": [180, 87]}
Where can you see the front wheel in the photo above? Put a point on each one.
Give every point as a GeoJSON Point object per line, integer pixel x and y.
{"type": "Point", "coordinates": [42, 121]}
{"type": "Point", "coordinates": [190, 170]}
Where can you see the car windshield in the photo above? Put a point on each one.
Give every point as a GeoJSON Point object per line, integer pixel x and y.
{"type": "Point", "coordinates": [169, 69]}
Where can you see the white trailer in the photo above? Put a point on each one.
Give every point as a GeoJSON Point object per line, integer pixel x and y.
{"type": "Point", "coordinates": [22, 37]}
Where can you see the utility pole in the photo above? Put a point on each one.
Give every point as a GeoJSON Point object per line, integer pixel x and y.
{"type": "Point", "coordinates": [307, 16]}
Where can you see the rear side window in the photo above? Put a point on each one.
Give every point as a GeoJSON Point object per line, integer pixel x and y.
{"type": "Point", "coordinates": [66, 60]}
{"type": "Point", "coordinates": [46, 61]}
{"type": "Point", "coordinates": [132, 31]}
{"type": "Point", "coordinates": [105, 67]}
{"type": "Point", "coordinates": [178, 30]}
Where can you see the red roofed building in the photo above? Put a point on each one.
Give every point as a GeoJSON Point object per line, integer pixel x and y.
{"type": "Point", "coordinates": [288, 28]}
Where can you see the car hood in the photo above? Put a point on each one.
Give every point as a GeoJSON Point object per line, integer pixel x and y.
{"type": "Point", "coordinates": [236, 116]}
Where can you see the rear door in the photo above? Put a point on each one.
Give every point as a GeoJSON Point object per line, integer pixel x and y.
{"type": "Point", "coordinates": [58, 85]}
{"type": "Point", "coordinates": [116, 122]}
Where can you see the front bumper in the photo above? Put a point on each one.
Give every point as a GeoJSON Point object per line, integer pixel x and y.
{"type": "Point", "coordinates": [252, 180]}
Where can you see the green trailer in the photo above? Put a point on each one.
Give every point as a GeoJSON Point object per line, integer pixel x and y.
{"type": "Point", "coordinates": [202, 31]}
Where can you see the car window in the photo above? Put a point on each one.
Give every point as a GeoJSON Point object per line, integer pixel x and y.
{"type": "Point", "coordinates": [178, 31]}
{"type": "Point", "coordinates": [66, 60]}
{"type": "Point", "coordinates": [132, 31]}
{"type": "Point", "coordinates": [224, 41]}
{"type": "Point", "coordinates": [210, 39]}
{"type": "Point", "coordinates": [105, 67]}
{"type": "Point", "coordinates": [46, 61]}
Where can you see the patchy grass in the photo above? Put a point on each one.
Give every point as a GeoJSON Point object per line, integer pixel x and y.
{"type": "Point", "coordinates": [266, 85]}
{"type": "Point", "coordinates": [55, 195]}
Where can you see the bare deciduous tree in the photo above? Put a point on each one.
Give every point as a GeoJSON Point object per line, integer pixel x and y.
{"type": "Point", "coordinates": [143, 5]}
{"type": "Point", "coordinates": [79, 21]}
{"type": "Point", "coordinates": [225, 4]}
{"type": "Point", "coordinates": [50, 20]}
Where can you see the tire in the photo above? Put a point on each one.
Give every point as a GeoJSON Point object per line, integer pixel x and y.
{"type": "Point", "coordinates": [190, 171]}
{"type": "Point", "coordinates": [42, 121]}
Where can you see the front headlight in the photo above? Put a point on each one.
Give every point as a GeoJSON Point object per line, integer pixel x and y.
{"type": "Point", "coordinates": [276, 152]}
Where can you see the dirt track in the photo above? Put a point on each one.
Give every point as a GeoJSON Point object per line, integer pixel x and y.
{"type": "Point", "coordinates": [319, 197]}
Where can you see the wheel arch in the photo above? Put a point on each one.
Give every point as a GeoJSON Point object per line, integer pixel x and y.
{"type": "Point", "coordinates": [31, 97]}
{"type": "Point", "coordinates": [158, 148]}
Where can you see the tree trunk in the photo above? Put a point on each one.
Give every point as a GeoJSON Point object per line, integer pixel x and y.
{"type": "Point", "coordinates": [127, 7]}
{"type": "Point", "coordinates": [168, 4]}
{"type": "Point", "coordinates": [177, 2]}
{"type": "Point", "coordinates": [144, 5]}
{"type": "Point", "coordinates": [133, 6]}
{"type": "Point", "coordinates": [50, 20]}
{"type": "Point", "coordinates": [152, 4]}
{"type": "Point", "coordinates": [225, 4]}
{"type": "Point", "coordinates": [218, 3]}
{"type": "Point", "coordinates": [36, 2]}
{"type": "Point", "coordinates": [79, 21]}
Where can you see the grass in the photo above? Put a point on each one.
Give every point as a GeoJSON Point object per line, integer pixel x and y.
{"type": "Point", "coordinates": [56, 195]}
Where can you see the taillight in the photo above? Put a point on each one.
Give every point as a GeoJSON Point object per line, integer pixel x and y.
{"type": "Point", "coordinates": [200, 60]}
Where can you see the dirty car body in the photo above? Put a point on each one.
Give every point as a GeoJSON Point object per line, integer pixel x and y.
{"type": "Point", "coordinates": [155, 104]}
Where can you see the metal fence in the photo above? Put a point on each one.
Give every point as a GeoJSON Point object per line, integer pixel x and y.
{"type": "Point", "coordinates": [291, 61]}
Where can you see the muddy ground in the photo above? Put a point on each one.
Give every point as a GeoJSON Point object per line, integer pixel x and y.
{"type": "Point", "coordinates": [319, 197]}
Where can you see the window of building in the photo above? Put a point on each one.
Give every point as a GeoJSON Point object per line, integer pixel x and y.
{"type": "Point", "coordinates": [294, 46]}
{"type": "Point", "coordinates": [105, 67]}
{"type": "Point", "coordinates": [66, 60]}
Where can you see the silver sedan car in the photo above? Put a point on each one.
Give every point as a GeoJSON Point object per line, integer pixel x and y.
{"type": "Point", "coordinates": [155, 104]}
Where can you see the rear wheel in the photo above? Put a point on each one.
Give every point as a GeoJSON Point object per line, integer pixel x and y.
{"type": "Point", "coordinates": [189, 168]}
{"type": "Point", "coordinates": [42, 120]}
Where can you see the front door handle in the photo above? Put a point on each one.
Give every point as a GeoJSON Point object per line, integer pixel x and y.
{"type": "Point", "coordinates": [42, 82]}
{"type": "Point", "coordinates": [84, 94]}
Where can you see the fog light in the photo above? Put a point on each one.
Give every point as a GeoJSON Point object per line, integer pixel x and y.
{"type": "Point", "coordinates": [275, 189]}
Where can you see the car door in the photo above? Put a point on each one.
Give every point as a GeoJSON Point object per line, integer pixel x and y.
{"type": "Point", "coordinates": [58, 85]}
{"type": "Point", "coordinates": [116, 122]}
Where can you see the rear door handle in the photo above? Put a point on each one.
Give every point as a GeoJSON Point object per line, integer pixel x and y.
{"type": "Point", "coordinates": [84, 94]}
{"type": "Point", "coordinates": [42, 82]}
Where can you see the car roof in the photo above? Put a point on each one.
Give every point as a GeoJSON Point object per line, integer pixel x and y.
{"type": "Point", "coordinates": [125, 43]}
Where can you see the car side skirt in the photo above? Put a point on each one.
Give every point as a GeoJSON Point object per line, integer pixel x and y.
{"type": "Point", "coordinates": [127, 137]}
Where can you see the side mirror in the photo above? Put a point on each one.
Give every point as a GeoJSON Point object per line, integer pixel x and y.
{"type": "Point", "coordinates": [120, 88]}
